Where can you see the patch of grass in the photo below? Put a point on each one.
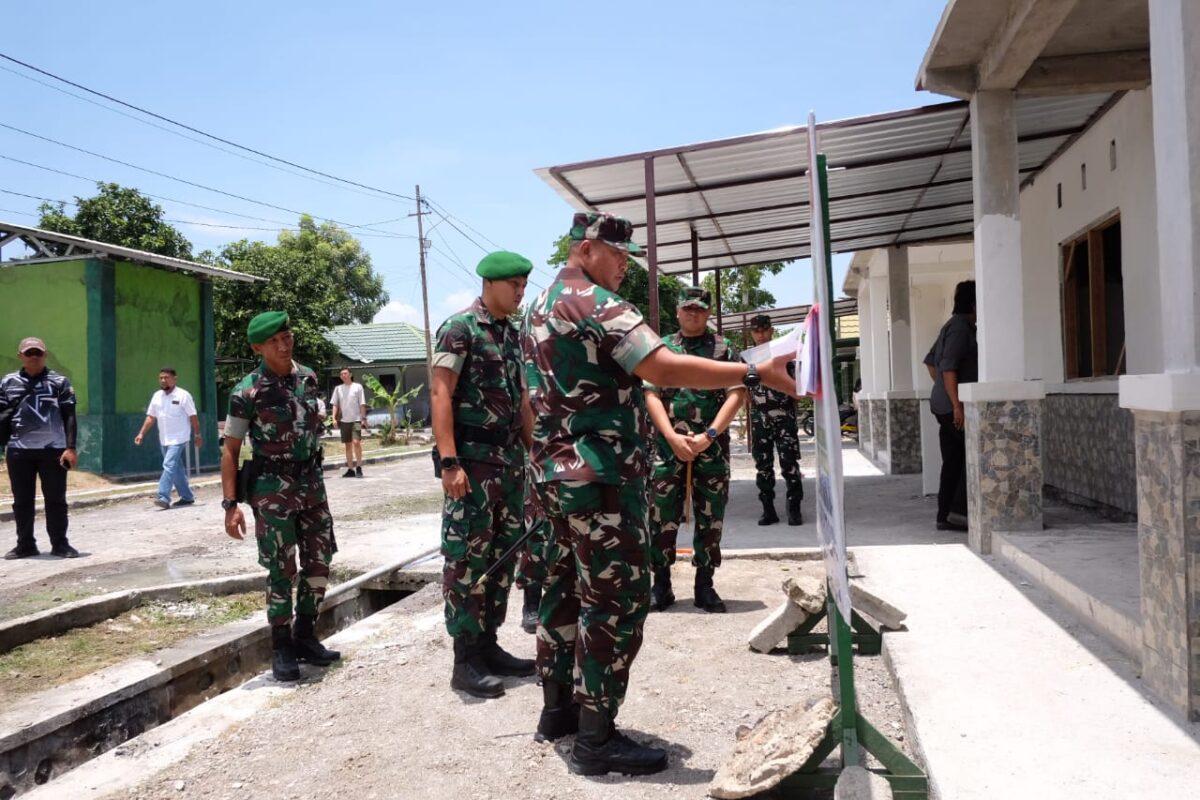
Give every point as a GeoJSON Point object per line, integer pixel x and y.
{"type": "Point", "coordinates": [42, 599]}
{"type": "Point", "coordinates": [54, 661]}
{"type": "Point", "coordinates": [408, 504]}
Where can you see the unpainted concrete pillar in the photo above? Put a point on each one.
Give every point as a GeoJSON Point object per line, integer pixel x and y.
{"type": "Point", "coordinates": [1003, 411]}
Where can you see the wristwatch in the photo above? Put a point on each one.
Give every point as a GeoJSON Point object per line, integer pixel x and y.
{"type": "Point", "coordinates": [450, 462]}
{"type": "Point", "coordinates": [711, 433]}
{"type": "Point", "coordinates": [228, 504]}
{"type": "Point", "coordinates": [751, 380]}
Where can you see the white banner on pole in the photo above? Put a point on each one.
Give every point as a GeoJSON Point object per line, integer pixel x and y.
{"type": "Point", "coordinates": [831, 528]}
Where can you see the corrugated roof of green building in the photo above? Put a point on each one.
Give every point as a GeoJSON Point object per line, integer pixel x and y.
{"type": "Point", "coordinates": [379, 342]}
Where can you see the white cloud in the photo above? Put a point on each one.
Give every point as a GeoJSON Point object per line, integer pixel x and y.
{"type": "Point", "coordinates": [400, 312]}
{"type": "Point", "coordinates": [458, 301]}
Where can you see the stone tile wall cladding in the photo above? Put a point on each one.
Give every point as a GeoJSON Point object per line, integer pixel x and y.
{"type": "Point", "coordinates": [879, 429]}
{"type": "Point", "coordinates": [1004, 469]}
{"type": "Point", "coordinates": [1089, 451]}
{"type": "Point", "coordinates": [1168, 465]}
{"type": "Point", "coordinates": [866, 442]}
{"type": "Point", "coordinates": [904, 436]}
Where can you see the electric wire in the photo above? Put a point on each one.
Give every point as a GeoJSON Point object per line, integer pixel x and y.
{"type": "Point", "coordinates": [205, 134]}
{"type": "Point", "coordinates": [210, 145]}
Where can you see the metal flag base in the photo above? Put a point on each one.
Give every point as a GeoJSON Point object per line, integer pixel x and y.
{"type": "Point", "coordinates": [865, 637]}
{"type": "Point", "coordinates": [848, 729]}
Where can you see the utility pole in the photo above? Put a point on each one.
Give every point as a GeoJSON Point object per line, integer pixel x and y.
{"type": "Point", "coordinates": [423, 243]}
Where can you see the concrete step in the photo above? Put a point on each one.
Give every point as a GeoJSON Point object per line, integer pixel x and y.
{"type": "Point", "coordinates": [1093, 573]}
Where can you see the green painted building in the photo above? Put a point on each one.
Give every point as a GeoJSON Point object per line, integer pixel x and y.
{"type": "Point", "coordinates": [112, 317]}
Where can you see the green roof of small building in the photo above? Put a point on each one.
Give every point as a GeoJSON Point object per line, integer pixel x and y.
{"type": "Point", "coordinates": [379, 342]}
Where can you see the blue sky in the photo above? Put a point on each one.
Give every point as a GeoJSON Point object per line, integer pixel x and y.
{"type": "Point", "coordinates": [465, 99]}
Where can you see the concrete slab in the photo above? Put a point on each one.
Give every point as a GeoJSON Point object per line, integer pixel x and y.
{"type": "Point", "coordinates": [1009, 697]}
{"type": "Point", "coordinates": [1094, 572]}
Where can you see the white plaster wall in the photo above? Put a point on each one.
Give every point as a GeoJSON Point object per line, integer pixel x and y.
{"type": "Point", "coordinates": [1128, 189]}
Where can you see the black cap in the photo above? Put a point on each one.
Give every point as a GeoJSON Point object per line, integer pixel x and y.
{"type": "Point", "coordinates": [760, 322]}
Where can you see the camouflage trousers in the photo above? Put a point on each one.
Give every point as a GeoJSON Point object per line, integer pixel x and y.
{"type": "Point", "coordinates": [768, 435]}
{"type": "Point", "coordinates": [710, 494]}
{"type": "Point", "coordinates": [597, 590]}
{"type": "Point", "coordinates": [476, 530]}
{"type": "Point", "coordinates": [291, 518]}
{"type": "Point", "coordinates": [531, 571]}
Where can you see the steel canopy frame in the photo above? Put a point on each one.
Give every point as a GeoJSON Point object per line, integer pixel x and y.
{"type": "Point", "coordinates": [897, 178]}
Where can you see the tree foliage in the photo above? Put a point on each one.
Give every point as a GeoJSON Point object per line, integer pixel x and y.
{"type": "Point", "coordinates": [320, 275]}
{"type": "Point", "coordinates": [636, 288]}
{"type": "Point", "coordinates": [116, 215]}
{"type": "Point", "coordinates": [741, 290]}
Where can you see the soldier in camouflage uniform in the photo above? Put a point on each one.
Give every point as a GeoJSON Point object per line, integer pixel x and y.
{"type": "Point", "coordinates": [773, 425]}
{"type": "Point", "coordinates": [531, 572]}
{"type": "Point", "coordinates": [277, 405]}
{"type": "Point", "coordinates": [701, 416]}
{"type": "Point", "coordinates": [586, 352]}
{"type": "Point", "coordinates": [477, 401]}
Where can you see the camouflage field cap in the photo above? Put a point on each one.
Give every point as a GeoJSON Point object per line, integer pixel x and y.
{"type": "Point", "coordinates": [760, 322]}
{"type": "Point", "coordinates": [266, 325]}
{"type": "Point", "coordinates": [695, 297]}
{"type": "Point", "coordinates": [615, 231]}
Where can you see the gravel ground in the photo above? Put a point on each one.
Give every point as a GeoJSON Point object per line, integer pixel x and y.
{"type": "Point", "coordinates": [386, 725]}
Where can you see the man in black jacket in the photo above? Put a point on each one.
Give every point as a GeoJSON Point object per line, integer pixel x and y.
{"type": "Point", "coordinates": [952, 361]}
{"type": "Point", "coordinates": [42, 446]}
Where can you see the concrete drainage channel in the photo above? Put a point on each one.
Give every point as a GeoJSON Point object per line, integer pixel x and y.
{"type": "Point", "coordinates": [49, 733]}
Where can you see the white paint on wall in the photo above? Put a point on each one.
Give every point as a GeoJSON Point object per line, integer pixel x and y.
{"type": "Point", "coordinates": [1000, 299]}
{"type": "Point", "coordinates": [1128, 189]}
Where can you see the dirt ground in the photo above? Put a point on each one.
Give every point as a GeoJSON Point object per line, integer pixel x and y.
{"type": "Point", "coordinates": [385, 724]}
{"type": "Point", "coordinates": [132, 544]}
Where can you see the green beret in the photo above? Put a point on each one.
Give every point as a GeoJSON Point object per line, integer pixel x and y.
{"type": "Point", "coordinates": [502, 265]}
{"type": "Point", "coordinates": [266, 325]}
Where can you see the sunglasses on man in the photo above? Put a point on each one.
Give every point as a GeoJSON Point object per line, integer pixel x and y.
{"type": "Point", "coordinates": [33, 352]}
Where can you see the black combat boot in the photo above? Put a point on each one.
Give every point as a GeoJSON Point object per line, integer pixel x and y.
{"type": "Point", "coordinates": [501, 662]}
{"type": "Point", "coordinates": [308, 649]}
{"type": "Point", "coordinates": [793, 503]}
{"type": "Point", "coordinates": [529, 611]}
{"type": "Point", "coordinates": [470, 672]}
{"type": "Point", "coordinates": [600, 748]}
{"type": "Point", "coordinates": [661, 596]}
{"type": "Point", "coordinates": [769, 517]}
{"type": "Point", "coordinates": [560, 712]}
{"type": "Point", "coordinates": [283, 656]}
{"type": "Point", "coordinates": [706, 596]}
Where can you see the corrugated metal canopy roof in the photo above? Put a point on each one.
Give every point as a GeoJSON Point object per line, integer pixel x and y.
{"type": "Point", "coordinates": [785, 315]}
{"type": "Point", "coordinates": [898, 178]}
{"type": "Point", "coordinates": [78, 247]}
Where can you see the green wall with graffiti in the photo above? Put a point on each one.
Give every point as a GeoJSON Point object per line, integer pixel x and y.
{"type": "Point", "coordinates": [157, 325]}
{"type": "Point", "coordinates": [48, 301]}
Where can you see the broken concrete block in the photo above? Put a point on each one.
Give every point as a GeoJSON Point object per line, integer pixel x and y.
{"type": "Point", "coordinates": [775, 628]}
{"type": "Point", "coordinates": [877, 608]}
{"type": "Point", "coordinates": [857, 783]}
{"type": "Point", "coordinates": [807, 589]}
{"type": "Point", "coordinates": [778, 745]}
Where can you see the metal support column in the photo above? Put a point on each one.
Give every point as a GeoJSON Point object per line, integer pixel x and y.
{"type": "Point", "coordinates": [695, 258]}
{"type": "Point", "coordinates": [651, 245]}
{"type": "Point", "coordinates": [718, 299]}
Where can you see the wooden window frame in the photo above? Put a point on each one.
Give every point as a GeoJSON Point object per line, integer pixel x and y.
{"type": "Point", "coordinates": [1097, 303]}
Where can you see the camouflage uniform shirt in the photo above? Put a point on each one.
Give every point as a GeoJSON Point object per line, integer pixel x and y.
{"type": "Point", "coordinates": [284, 409]}
{"type": "Point", "coordinates": [581, 344]}
{"type": "Point", "coordinates": [486, 355]}
{"type": "Point", "coordinates": [769, 404]}
{"type": "Point", "coordinates": [695, 407]}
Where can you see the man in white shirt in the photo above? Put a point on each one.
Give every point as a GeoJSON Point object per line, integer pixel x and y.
{"type": "Point", "coordinates": [175, 412]}
{"type": "Point", "coordinates": [350, 415]}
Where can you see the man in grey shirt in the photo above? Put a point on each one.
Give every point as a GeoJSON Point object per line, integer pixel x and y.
{"type": "Point", "coordinates": [953, 360]}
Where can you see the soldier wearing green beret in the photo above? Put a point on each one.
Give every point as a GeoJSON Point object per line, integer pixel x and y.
{"type": "Point", "coordinates": [277, 406]}
{"type": "Point", "coordinates": [481, 428]}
